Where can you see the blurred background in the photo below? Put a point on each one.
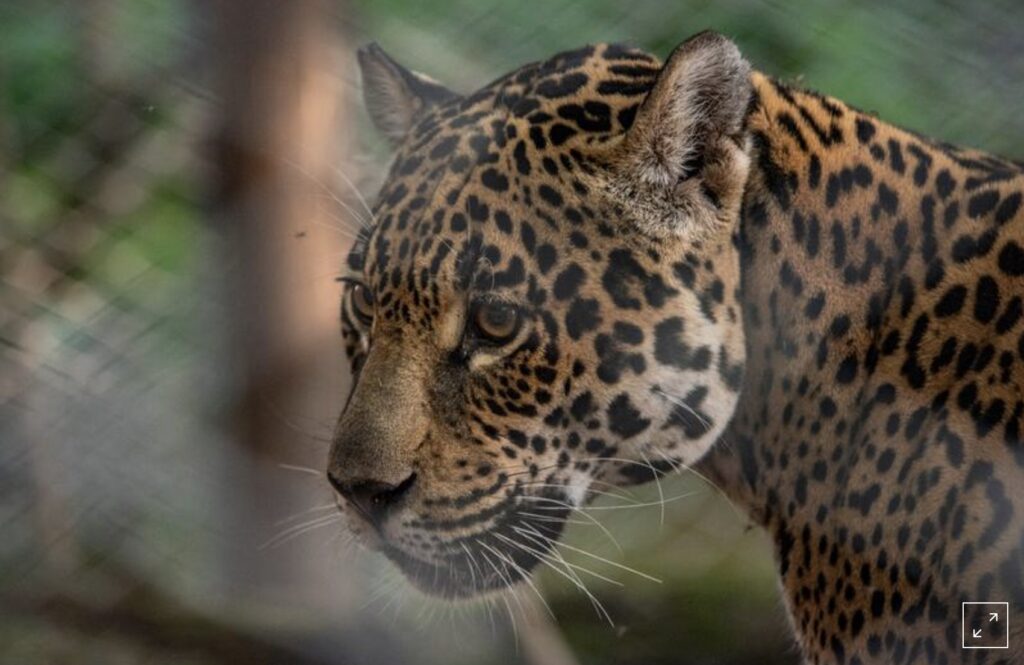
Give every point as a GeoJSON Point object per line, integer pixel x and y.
{"type": "Point", "coordinates": [179, 180]}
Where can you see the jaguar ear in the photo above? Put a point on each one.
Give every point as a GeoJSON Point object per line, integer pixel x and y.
{"type": "Point", "coordinates": [683, 163]}
{"type": "Point", "coordinates": [395, 96]}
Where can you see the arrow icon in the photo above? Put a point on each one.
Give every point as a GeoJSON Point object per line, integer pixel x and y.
{"type": "Point", "coordinates": [977, 633]}
{"type": "Point", "coordinates": [993, 616]}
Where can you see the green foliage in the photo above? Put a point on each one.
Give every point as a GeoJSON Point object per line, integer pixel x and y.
{"type": "Point", "coordinates": [54, 101]}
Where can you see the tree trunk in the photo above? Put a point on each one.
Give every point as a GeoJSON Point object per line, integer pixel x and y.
{"type": "Point", "coordinates": [281, 246]}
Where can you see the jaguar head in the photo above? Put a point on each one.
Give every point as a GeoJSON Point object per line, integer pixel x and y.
{"type": "Point", "coordinates": [547, 298]}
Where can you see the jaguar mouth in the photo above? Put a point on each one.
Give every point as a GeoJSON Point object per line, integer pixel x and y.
{"type": "Point", "coordinates": [500, 557]}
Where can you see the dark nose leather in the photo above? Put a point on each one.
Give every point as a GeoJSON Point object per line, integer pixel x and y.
{"type": "Point", "coordinates": [372, 498]}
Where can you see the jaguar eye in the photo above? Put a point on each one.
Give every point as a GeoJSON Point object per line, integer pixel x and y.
{"type": "Point", "coordinates": [362, 303]}
{"type": "Point", "coordinates": [497, 322]}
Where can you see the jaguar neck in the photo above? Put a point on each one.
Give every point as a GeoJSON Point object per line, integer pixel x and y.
{"type": "Point", "coordinates": [840, 212]}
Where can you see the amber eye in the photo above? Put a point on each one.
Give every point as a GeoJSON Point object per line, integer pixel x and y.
{"type": "Point", "coordinates": [362, 303]}
{"type": "Point", "coordinates": [496, 322]}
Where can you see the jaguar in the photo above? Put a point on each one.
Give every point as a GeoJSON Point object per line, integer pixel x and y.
{"type": "Point", "coordinates": [601, 268]}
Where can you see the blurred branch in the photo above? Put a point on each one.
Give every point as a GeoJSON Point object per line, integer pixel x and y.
{"type": "Point", "coordinates": [141, 614]}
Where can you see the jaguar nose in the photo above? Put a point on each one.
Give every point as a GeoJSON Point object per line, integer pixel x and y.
{"type": "Point", "coordinates": [373, 499]}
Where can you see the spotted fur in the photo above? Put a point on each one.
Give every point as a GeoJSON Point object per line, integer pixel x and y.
{"type": "Point", "coordinates": [697, 253]}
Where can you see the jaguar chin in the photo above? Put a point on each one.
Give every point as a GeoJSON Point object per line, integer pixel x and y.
{"type": "Point", "coordinates": [491, 560]}
{"type": "Point", "coordinates": [468, 556]}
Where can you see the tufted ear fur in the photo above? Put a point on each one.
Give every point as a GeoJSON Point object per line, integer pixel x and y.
{"type": "Point", "coordinates": [683, 163]}
{"type": "Point", "coordinates": [395, 96]}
